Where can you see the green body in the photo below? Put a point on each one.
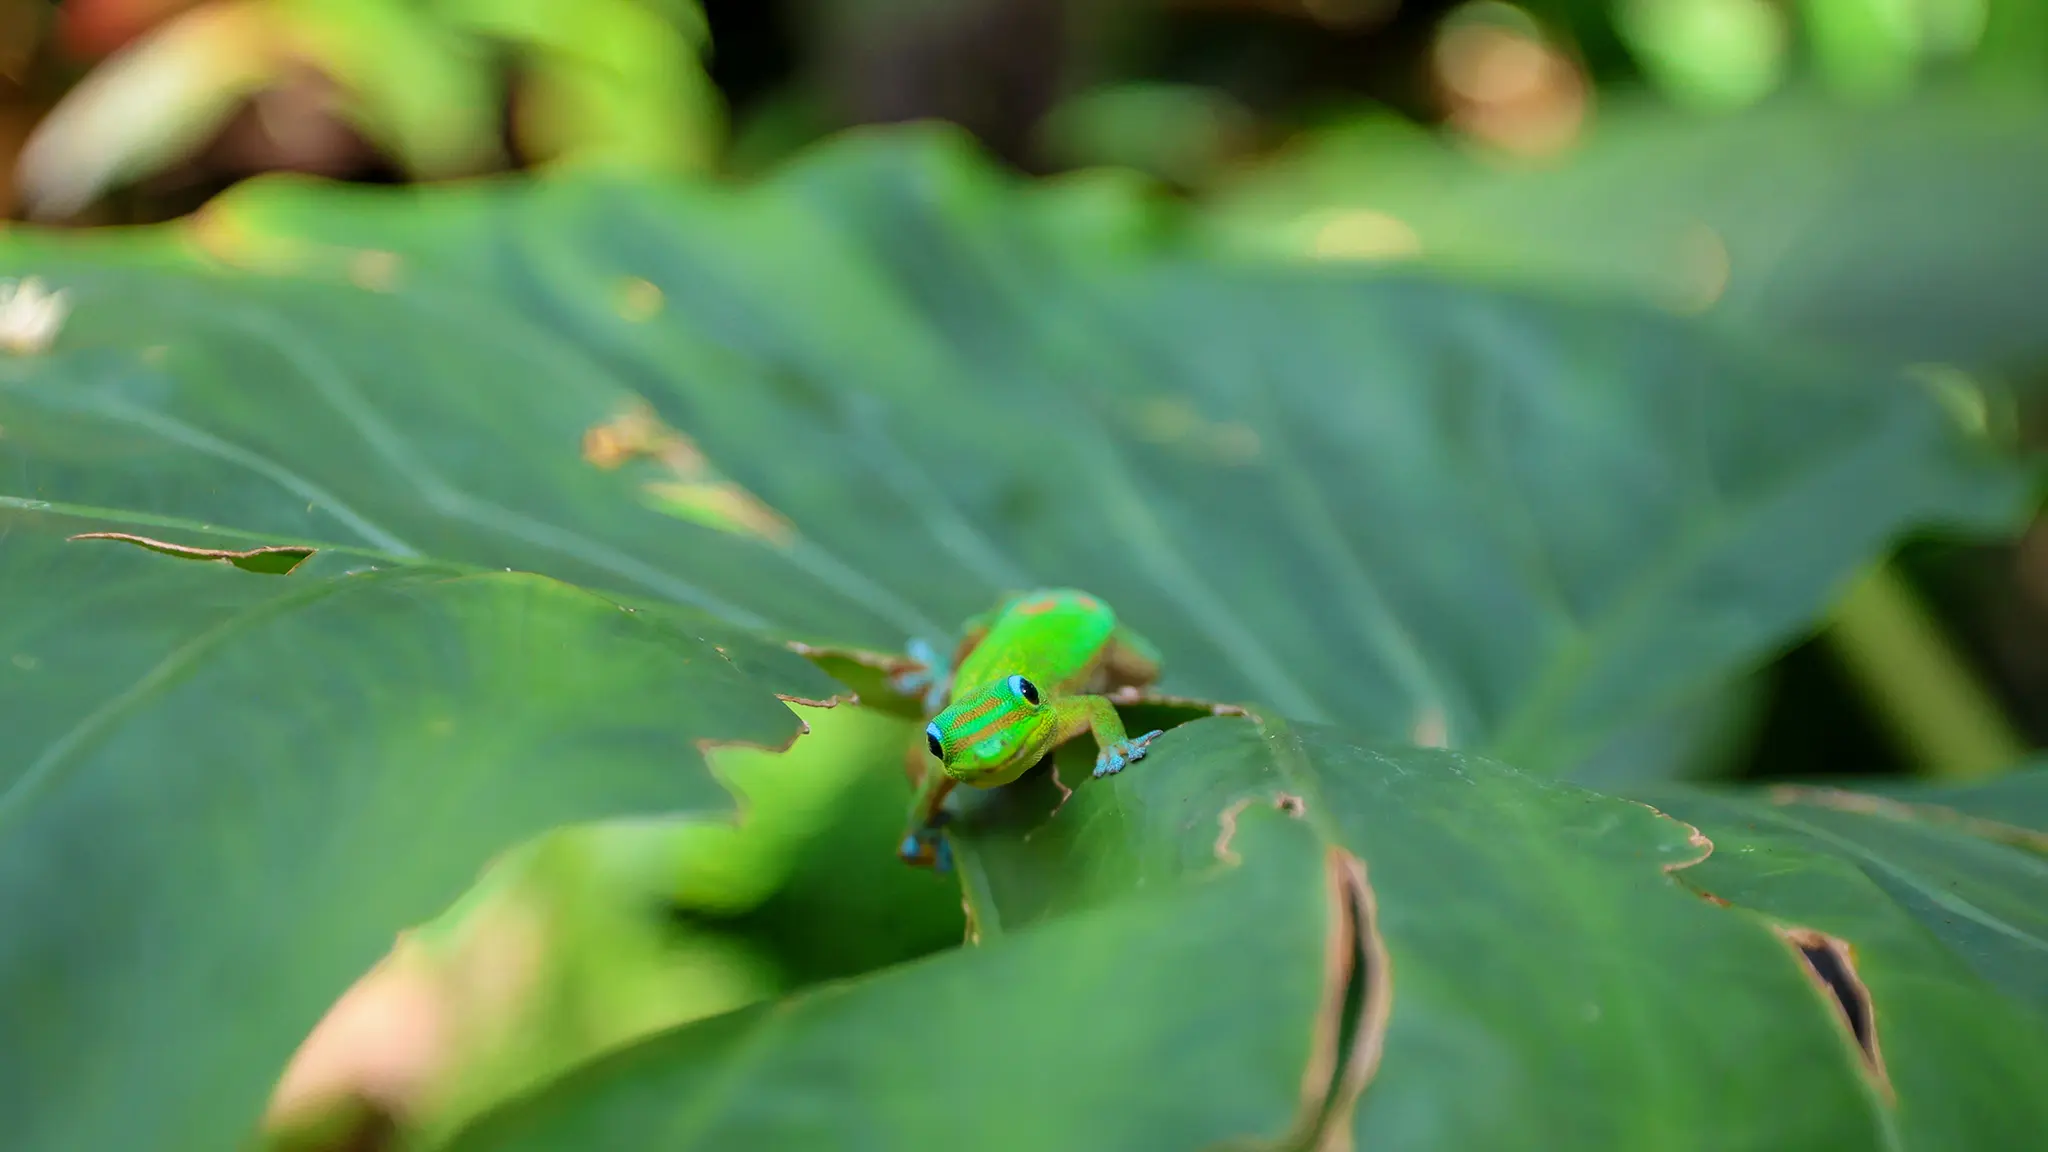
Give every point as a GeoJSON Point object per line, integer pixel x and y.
{"type": "Point", "coordinates": [1028, 677]}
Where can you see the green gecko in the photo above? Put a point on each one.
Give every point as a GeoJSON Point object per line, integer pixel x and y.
{"type": "Point", "coordinates": [1029, 676]}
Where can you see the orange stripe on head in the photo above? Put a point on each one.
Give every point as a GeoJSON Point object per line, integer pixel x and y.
{"type": "Point", "coordinates": [970, 739]}
{"type": "Point", "coordinates": [1035, 607]}
{"type": "Point", "coordinates": [978, 711]}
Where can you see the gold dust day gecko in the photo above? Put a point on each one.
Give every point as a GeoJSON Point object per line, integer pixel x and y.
{"type": "Point", "coordinates": [1028, 677]}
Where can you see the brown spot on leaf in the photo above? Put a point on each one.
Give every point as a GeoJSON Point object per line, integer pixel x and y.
{"type": "Point", "coordinates": [1432, 729]}
{"type": "Point", "coordinates": [639, 300]}
{"type": "Point", "coordinates": [1226, 821]}
{"type": "Point", "coordinates": [1830, 963]}
{"type": "Point", "coordinates": [691, 489]}
{"type": "Point", "coordinates": [374, 270]}
{"type": "Point", "coordinates": [279, 560]}
{"type": "Point", "coordinates": [1226, 831]}
{"type": "Point", "coordinates": [638, 433]}
{"type": "Point", "coordinates": [1358, 1000]}
{"type": "Point", "coordinates": [1170, 420]}
{"type": "Point", "coordinates": [721, 505]}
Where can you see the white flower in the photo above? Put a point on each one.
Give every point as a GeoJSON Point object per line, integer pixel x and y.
{"type": "Point", "coordinates": [29, 316]}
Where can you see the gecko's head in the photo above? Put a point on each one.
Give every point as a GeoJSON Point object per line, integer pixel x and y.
{"type": "Point", "coordinates": [993, 734]}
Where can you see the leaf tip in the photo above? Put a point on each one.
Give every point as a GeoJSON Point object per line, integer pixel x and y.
{"type": "Point", "coordinates": [1696, 840]}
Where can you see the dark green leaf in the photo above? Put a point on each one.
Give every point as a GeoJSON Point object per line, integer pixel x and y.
{"type": "Point", "coordinates": [223, 796]}
{"type": "Point", "coordinates": [1129, 1027]}
{"type": "Point", "coordinates": [1523, 965]}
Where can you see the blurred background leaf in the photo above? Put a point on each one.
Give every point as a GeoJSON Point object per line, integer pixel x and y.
{"type": "Point", "coordinates": [1906, 234]}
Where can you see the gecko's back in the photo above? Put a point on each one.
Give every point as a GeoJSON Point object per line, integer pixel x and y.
{"type": "Point", "coordinates": [1052, 636]}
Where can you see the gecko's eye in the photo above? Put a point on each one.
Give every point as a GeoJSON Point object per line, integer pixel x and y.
{"type": "Point", "coordinates": [1024, 688]}
{"type": "Point", "coordinates": [934, 741]}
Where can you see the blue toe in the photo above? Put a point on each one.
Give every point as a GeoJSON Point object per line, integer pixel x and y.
{"type": "Point", "coordinates": [908, 848]}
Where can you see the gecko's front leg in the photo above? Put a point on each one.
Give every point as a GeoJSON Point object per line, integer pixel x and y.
{"type": "Point", "coordinates": [924, 845]}
{"type": "Point", "coordinates": [1095, 715]}
{"type": "Point", "coordinates": [929, 678]}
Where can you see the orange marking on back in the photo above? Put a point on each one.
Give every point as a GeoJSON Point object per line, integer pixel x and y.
{"type": "Point", "coordinates": [1088, 603]}
{"type": "Point", "coordinates": [1035, 607]}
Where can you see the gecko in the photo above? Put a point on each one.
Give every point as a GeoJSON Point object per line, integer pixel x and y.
{"type": "Point", "coordinates": [1029, 676]}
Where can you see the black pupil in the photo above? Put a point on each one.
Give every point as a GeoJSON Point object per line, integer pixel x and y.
{"type": "Point", "coordinates": [1027, 689]}
{"type": "Point", "coordinates": [938, 749]}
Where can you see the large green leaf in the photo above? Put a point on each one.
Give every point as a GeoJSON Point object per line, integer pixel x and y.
{"type": "Point", "coordinates": [1131, 1027]}
{"type": "Point", "coordinates": [1420, 510]}
{"type": "Point", "coordinates": [1488, 959]}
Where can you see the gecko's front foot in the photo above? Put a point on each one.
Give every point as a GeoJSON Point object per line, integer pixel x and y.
{"type": "Point", "coordinates": [928, 678]}
{"type": "Point", "coordinates": [927, 848]}
{"type": "Point", "coordinates": [1111, 760]}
